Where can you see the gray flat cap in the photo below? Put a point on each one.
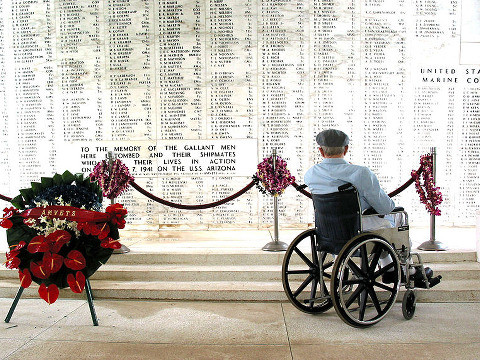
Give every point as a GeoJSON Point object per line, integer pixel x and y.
{"type": "Point", "coordinates": [332, 138]}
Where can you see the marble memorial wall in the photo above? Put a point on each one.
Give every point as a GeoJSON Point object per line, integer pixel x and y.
{"type": "Point", "coordinates": [192, 94]}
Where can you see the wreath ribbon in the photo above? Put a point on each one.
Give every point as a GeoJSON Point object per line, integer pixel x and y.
{"type": "Point", "coordinates": [68, 213]}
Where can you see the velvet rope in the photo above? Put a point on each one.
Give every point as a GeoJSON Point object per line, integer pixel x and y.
{"type": "Point", "coordinates": [191, 207]}
{"type": "Point", "coordinates": [395, 192]}
{"type": "Point", "coordinates": [6, 198]}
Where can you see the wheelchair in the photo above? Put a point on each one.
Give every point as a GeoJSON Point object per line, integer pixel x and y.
{"type": "Point", "coordinates": [338, 265]}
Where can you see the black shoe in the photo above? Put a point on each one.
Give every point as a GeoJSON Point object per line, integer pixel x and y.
{"type": "Point", "coordinates": [431, 282]}
{"type": "Point", "coordinates": [419, 276]}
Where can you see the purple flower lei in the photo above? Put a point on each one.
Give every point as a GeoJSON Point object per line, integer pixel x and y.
{"type": "Point", "coordinates": [274, 182]}
{"type": "Point", "coordinates": [430, 195]}
{"type": "Point", "coordinates": [113, 181]}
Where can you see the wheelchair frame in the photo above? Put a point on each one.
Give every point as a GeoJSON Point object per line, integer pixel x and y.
{"type": "Point", "coordinates": [359, 290]}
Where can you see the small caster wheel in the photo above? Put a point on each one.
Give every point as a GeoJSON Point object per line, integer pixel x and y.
{"type": "Point", "coordinates": [408, 304]}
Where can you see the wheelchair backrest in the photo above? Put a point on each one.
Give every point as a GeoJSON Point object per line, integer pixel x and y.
{"type": "Point", "coordinates": [337, 218]}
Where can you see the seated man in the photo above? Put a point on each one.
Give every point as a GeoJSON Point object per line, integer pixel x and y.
{"type": "Point", "coordinates": [334, 171]}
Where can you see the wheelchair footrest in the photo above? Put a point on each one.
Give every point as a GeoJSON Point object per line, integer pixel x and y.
{"type": "Point", "coordinates": [431, 282]}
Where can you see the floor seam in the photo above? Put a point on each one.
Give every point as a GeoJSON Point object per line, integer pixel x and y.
{"type": "Point", "coordinates": [286, 330]}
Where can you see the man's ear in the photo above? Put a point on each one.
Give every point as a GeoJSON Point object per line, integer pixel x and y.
{"type": "Point", "coordinates": [346, 149]}
{"type": "Point", "coordinates": [321, 151]}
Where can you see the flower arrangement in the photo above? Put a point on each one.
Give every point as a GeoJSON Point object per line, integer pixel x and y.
{"type": "Point", "coordinates": [112, 179]}
{"type": "Point", "coordinates": [430, 195]}
{"type": "Point", "coordinates": [57, 236]}
{"type": "Point", "coordinates": [274, 182]}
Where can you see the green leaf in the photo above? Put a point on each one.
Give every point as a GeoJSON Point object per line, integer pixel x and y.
{"type": "Point", "coordinates": [57, 179]}
{"type": "Point", "coordinates": [27, 194]}
{"type": "Point", "coordinates": [18, 202]}
{"type": "Point", "coordinates": [79, 179]}
{"type": "Point", "coordinates": [46, 182]}
{"type": "Point", "coordinates": [68, 177]}
{"type": "Point", "coordinates": [36, 187]}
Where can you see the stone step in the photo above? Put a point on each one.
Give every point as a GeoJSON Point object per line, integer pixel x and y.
{"type": "Point", "coordinates": [182, 272]}
{"type": "Point", "coordinates": [446, 291]}
{"type": "Point", "coordinates": [257, 257]}
{"type": "Point", "coordinates": [253, 257]}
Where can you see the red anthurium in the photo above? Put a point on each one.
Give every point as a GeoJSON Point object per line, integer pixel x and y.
{"type": "Point", "coordinates": [20, 245]}
{"type": "Point", "coordinates": [6, 223]}
{"type": "Point", "coordinates": [110, 243]}
{"type": "Point", "coordinates": [38, 244]}
{"type": "Point", "coordinates": [53, 262]}
{"type": "Point", "coordinates": [12, 262]}
{"type": "Point", "coordinates": [39, 270]}
{"type": "Point", "coordinates": [25, 278]}
{"type": "Point", "coordinates": [104, 231]}
{"type": "Point", "coordinates": [57, 239]}
{"type": "Point", "coordinates": [49, 294]}
{"type": "Point", "coordinates": [75, 260]}
{"type": "Point", "coordinates": [77, 282]}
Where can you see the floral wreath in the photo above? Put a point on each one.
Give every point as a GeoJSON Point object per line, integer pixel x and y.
{"type": "Point", "coordinates": [430, 195]}
{"type": "Point", "coordinates": [274, 182]}
{"type": "Point", "coordinates": [113, 179]}
{"type": "Point", "coordinates": [57, 235]}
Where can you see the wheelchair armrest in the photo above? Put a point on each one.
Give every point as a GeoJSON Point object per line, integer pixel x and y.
{"type": "Point", "coordinates": [372, 211]}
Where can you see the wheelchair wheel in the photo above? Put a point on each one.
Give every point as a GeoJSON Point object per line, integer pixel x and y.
{"type": "Point", "coordinates": [304, 273]}
{"type": "Point", "coordinates": [408, 304]}
{"type": "Point", "coordinates": [360, 294]}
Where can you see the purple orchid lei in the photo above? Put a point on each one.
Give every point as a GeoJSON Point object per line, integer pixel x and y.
{"type": "Point", "coordinates": [430, 195]}
{"type": "Point", "coordinates": [274, 182]}
{"type": "Point", "coordinates": [113, 181]}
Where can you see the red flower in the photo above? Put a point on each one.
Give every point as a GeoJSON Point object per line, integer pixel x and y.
{"type": "Point", "coordinates": [77, 282]}
{"type": "Point", "coordinates": [39, 270]}
{"type": "Point", "coordinates": [75, 260]}
{"type": "Point", "coordinates": [6, 223]}
{"type": "Point", "coordinates": [13, 262]}
{"type": "Point", "coordinates": [53, 262]}
{"type": "Point", "coordinates": [25, 278]}
{"type": "Point", "coordinates": [110, 243]}
{"type": "Point", "coordinates": [38, 244]}
{"type": "Point", "coordinates": [118, 212]}
{"type": "Point", "coordinates": [57, 239]}
{"type": "Point", "coordinates": [8, 213]}
{"type": "Point", "coordinates": [20, 245]}
{"type": "Point", "coordinates": [50, 294]}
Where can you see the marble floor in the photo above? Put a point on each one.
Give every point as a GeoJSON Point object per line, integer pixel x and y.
{"type": "Point", "coordinates": [220, 330]}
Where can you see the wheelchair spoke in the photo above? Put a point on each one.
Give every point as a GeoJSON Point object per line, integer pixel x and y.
{"type": "Point", "coordinates": [364, 258]}
{"type": "Point", "coordinates": [294, 272]}
{"type": "Point", "coordinates": [358, 272]}
{"type": "Point", "coordinates": [377, 251]}
{"type": "Point", "coordinates": [354, 295]}
{"type": "Point", "coordinates": [363, 304]}
{"type": "Point", "coordinates": [327, 265]}
{"type": "Point", "coordinates": [375, 301]}
{"type": "Point", "coordinates": [352, 282]}
{"type": "Point", "coordinates": [304, 258]}
{"type": "Point", "coordinates": [303, 285]}
{"type": "Point", "coordinates": [384, 287]}
{"type": "Point", "coordinates": [383, 270]}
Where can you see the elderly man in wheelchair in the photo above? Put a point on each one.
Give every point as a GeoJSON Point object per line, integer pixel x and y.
{"type": "Point", "coordinates": [359, 253]}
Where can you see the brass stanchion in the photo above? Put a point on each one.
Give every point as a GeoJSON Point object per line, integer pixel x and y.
{"type": "Point", "coordinates": [123, 249]}
{"type": "Point", "coordinates": [275, 244]}
{"type": "Point", "coordinates": [432, 244]}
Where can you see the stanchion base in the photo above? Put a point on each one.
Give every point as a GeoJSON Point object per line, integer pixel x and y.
{"type": "Point", "coordinates": [122, 250]}
{"type": "Point", "coordinates": [275, 246]}
{"type": "Point", "coordinates": [432, 246]}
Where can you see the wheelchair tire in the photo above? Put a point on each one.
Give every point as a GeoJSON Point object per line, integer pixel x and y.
{"type": "Point", "coordinates": [301, 274]}
{"type": "Point", "coordinates": [408, 304]}
{"type": "Point", "coordinates": [360, 296]}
